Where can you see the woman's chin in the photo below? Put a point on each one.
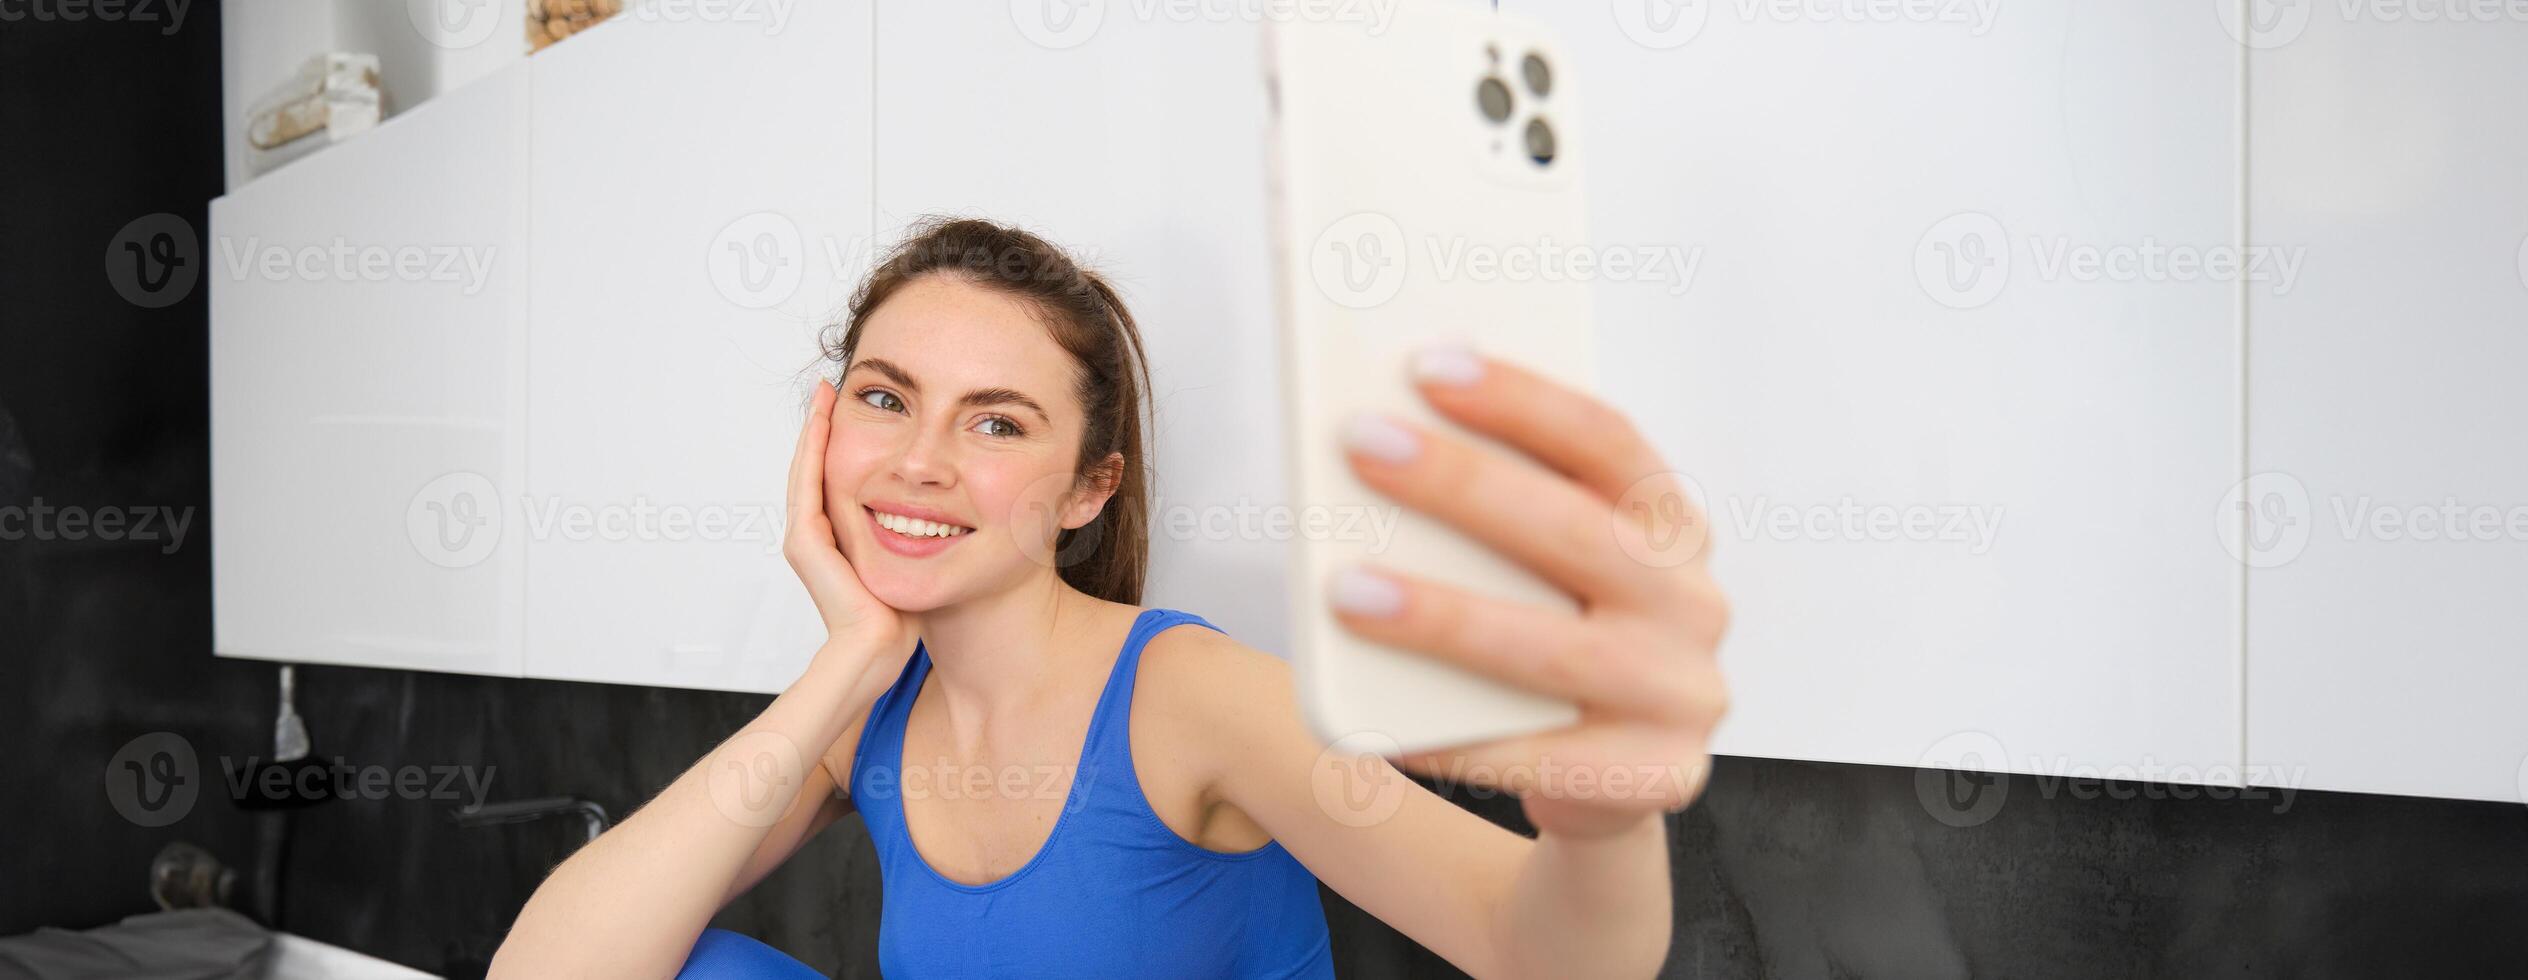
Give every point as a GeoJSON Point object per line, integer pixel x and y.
{"type": "Point", "coordinates": [908, 593]}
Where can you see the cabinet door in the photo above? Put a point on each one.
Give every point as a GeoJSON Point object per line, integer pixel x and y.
{"type": "Point", "coordinates": [1959, 438]}
{"type": "Point", "coordinates": [367, 359]}
{"type": "Point", "coordinates": [1135, 138]}
{"type": "Point", "coordinates": [2387, 521]}
{"type": "Point", "coordinates": [700, 200]}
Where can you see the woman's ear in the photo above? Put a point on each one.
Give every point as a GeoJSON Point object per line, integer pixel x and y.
{"type": "Point", "coordinates": [1101, 483]}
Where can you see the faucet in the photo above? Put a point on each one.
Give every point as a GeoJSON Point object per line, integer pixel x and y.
{"type": "Point", "coordinates": [521, 811]}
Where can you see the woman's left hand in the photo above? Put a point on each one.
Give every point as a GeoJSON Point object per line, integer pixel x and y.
{"type": "Point", "coordinates": [1592, 509]}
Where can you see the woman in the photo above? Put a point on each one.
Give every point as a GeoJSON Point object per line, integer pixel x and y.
{"type": "Point", "coordinates": [1059, 783]}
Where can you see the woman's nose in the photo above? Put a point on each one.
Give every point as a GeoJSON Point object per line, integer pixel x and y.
{"type": "Point", "coordinates": [927, 457]}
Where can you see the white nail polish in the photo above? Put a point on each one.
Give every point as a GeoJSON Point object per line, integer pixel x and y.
{"type": "Point", "coordinates": [1447, 363]}
{"type": "Point", "coordinates": [1379, 438]}
{"type": "Point", "coordinates": [1362, 593]}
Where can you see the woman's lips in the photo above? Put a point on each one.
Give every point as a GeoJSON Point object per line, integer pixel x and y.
{"type": "Point", "coordinates": [908, 545]}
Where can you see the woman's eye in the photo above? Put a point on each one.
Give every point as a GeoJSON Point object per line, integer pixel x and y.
{"type": "Point", "coordinates": [1010, 429]}
{"type": "Point", "coordinates": [892, 404]}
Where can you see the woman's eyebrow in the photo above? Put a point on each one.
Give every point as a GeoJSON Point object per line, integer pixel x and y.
{"type": "Point", "coordinates": [978, 398]}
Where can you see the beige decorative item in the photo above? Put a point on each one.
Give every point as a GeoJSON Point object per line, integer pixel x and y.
{"type": "Point", "coordinates": [552, 20]}
{"type": "Point", "coordinates": [331, 98]}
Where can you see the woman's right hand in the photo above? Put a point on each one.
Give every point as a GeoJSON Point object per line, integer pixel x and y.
{"type": "Point", "coordinates": [853, 618]}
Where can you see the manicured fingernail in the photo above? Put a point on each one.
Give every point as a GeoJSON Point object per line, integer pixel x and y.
{"type": "Point", "coordinates": [1364, 594]}
{"type": "Point", "coordinates": [1447, 363]}
{"type": "Point", "coordinates": [1380, 438]}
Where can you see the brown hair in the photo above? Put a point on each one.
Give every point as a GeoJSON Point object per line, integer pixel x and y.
{"type": "Point", "coordinates": [1107, 556]}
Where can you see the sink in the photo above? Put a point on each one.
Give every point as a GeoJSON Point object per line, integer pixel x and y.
{"type": "Point", "coordinates": [296, 957]}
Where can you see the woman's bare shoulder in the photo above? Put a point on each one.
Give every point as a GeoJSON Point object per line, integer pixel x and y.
{"type": "Point", "coordinates": [1189, 655]}
{"type": "Point", "coordinates": [1210, 688]}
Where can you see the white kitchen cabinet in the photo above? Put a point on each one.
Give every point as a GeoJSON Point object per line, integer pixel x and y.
{"type": "Point", "coordinates": [368, 315]}
{"type": "Point", "coordinates": [1834, 368]}
{"type": "Point", "coordinates": [694, 228]}
{"type": "Point", "coordinates": [570, 464]}
{"type": "Point", "coordinates": [1969, 504]}
{"type": "Point", "coordinates": [2385, 647]}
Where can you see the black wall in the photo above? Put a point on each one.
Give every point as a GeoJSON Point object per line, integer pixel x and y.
{"type": "Point", "coordinates": [1786, 869]}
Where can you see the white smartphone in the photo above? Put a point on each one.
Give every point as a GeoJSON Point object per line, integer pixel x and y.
{"type": "Point", "coordinates": [1426, 180]}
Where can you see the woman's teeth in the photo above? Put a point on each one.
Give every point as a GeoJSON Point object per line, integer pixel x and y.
{"type": "Point", "coordinates": [915, 527]}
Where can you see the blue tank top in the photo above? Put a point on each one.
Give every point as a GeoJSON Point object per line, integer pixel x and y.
{"type": "Point", "coordinates": [1112, 892]}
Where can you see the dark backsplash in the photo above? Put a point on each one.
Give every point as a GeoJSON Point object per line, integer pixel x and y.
{"type": "Point", "coordinates": [1785, 869]}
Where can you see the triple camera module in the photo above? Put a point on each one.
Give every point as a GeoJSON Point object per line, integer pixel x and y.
{"type": "Point", "coordinates": [1494, 98]}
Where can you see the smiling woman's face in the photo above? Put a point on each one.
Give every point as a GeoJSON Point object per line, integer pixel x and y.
{"type": "Point", "coordinates": [958, 406]}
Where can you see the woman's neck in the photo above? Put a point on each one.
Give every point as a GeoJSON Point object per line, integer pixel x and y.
{"type": "Point", "coordinates": [1006, 656]}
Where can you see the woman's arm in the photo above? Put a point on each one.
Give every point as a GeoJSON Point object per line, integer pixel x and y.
{"type": "Point", "coordinates": [822, 801]}
{"type": "Point", "coordinates": [634, 900]}
{"type": "Point", "coordinates": [1592, 509]}
{"type": "Point", "coordinates": [1491, 902]}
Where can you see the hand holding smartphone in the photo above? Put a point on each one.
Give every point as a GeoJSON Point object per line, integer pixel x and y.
{"type": "Point", "coordinates": [1424, 178]}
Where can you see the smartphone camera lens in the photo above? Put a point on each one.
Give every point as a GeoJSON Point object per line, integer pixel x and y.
{"type": "Point", "coordinates": [1540, 79]}
{"type": "Point", "coordinates": [1540, 141]}
{"type": "Point", "coordinates": [1493, 98]}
